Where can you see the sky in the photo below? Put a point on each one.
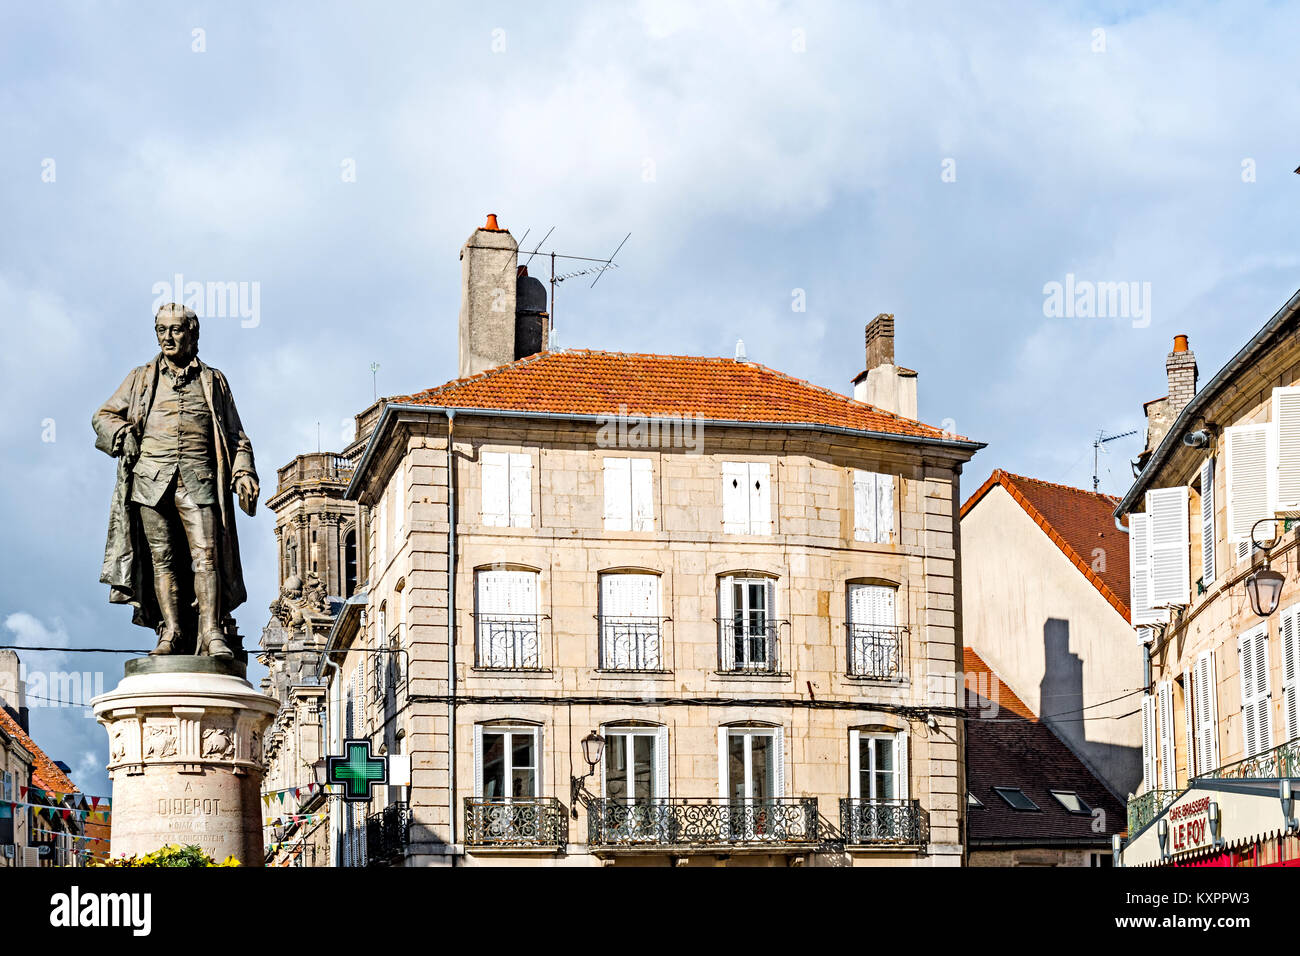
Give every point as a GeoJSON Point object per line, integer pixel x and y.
{"type": "Point", "coordinates": [786, 172]}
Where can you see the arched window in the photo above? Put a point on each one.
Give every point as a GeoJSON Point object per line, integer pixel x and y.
{"type": "Point", "coordinates": [350, 563]}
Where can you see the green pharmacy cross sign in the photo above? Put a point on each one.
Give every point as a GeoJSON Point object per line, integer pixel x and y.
{"type": "Point", "coordinates": [356, 771]}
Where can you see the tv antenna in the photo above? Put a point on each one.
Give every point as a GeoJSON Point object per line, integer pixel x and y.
{"type": "Point", "coordinates": [598, 267]}
{"type": "Point", "coordinates": [1099, 447]}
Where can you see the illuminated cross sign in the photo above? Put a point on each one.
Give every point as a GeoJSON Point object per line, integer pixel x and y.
{"type": "Point", "coordinates": [357, 771]}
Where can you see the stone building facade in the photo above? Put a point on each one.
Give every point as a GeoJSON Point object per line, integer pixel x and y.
{"type": "Point", "coordinates": [745, 587]}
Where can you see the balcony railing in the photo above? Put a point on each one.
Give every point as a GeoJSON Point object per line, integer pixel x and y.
{"type": "Point", "coordinates": [703, 822]}
{"type": "Point", "coordinates": [387, 834]}
{"type": "Point", "coordinates": [876, 652]}
{"type": "Point", "coordinates": [631, 644]}
{"type": "Point", "coordinates": [518, 822]}
{"type": "Point", "coordinates": [748, 647]}
{"type": "Point", "coordinates": [1281, 761]}
{"type": "Point", "coordinates": [1145, 807]}
{"type": "Point", "coordinates": [508, 641]}
{"type": "Point", "coordinates": [888, 822]}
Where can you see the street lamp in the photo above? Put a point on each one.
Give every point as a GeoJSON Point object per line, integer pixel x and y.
{"type": "Point", "coordinates": [1288, 803]}
{"type": "Point", "coordinates": [593, 748]}
{"type": "Point", "coordinates": [1213, 814]}
{"type": "Point", "coordinates": [320, 770]}
{"type": "Point", "coordinates": [1264, 587]}
{"type": "Point", "coordinates": [1162, 831]}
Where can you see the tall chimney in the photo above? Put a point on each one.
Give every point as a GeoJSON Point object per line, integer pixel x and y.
{"type": "Point", "coordinates": [13, 689]}
{"type": "Point", "coordinates": [503, 310]}
{"type": "Point", "coordinates": [884, 384]}
{"type": "Point", "coordinates": [1180, 366]}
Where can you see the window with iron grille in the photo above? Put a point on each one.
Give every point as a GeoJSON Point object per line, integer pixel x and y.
{"type": "Point", "coordinates": [630, 637]}
{"type": "Point", "coordinates": [747, 624]}
{"type": "Point", "coordinates": [506, 620]}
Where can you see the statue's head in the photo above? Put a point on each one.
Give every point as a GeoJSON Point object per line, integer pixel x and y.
{"type": "Point", "coordinates": [178, 333]}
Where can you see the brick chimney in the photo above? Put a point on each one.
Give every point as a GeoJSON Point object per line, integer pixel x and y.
{"type": "Point", "coordinates": [503, 310]}
{"type": "Point", "coordinates": [883, 384]}
{"type": "Point", "coordinates": [1180, 366]}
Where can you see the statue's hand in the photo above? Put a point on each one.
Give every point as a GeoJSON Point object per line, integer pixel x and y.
{"type": "Point", "coordinates": [130, 447]}
{"type": "Point", "coordinates": [247, 489]}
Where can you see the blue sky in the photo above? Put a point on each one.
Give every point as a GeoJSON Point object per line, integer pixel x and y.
{"type": "Point", "coordinates": [751, 149]}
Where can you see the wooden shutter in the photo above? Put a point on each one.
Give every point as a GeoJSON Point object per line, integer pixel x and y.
{"type": "Point", "coordinates": [661, 764]}
{"type": "Point", "coordinates": [726, 620]}
{"type": "Point", "coordinates": [760, 499]}
{"type": "Point", "coordinates": [1207, 523]}
{"type": "Point", "coordinates": [864, 506]}
{"type": "Point", "coordinates": [1189, 727]}
{"type": "Point", "coordinates": [642, 491]}
{"type": "Point", "coordinates": [1290, 632]}
{"type": "Point", "coordinates": [618, 495]}
{"type": "Point", "coordinates": [1207, 714]}
{"type": "Point", "coordinates": [1139, 558]}
{"type": "Point", "coordinates": [884, 508]}
{"type": "Point", "coordinates": [496, 489]}
{"type": "Point", "coordinates": [1248, 481]}
{"type": "Point", "coordinates": [1168, 759]}
{"type": "Point", "coordinates": [1148, 741]}
{"type": "Point", "coordinates": [1256, 724]}
{"type": "Point", "coordinates": [1168, 568]}
{"type": "Point", "coordinates": [1285, 471]}
{"type": "Point", "coordinates": [735, 497]}
{"type": "Point", "coordinates": [521, 490]}
{"type": "Point", "coordinates": [478, 760]}
{"type": "Point", "coordinates": [900, 758]}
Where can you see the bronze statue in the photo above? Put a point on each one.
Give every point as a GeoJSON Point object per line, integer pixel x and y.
{"type": "Point", "coordinates": [182, 454]}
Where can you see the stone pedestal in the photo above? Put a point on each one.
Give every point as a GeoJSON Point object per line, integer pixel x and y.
{"type": "Point", "coordinates": [185, 755]}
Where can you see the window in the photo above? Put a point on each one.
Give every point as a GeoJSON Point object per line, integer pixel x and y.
{"type": "Point", "coordinates": [875, 641]}
{"type": "Point", "coordinates": [1015, 798]}
{"type": "Point", "coordinates": [507, 490]}
{"type": "Point", "coordinates": [878, 766]}
{"type": "Point", "coordinates": [746, 498]}
{"type": "Point", "coordinates": [350, 563]}
{"type": "Point", "coordinates": [381, 533]}
{"type": "Point", "coordinates": [752, 764]}
{"type": "Point", "coordinates": [629, 501]}
{"type": "Point", "coordinates": [1101, 859]}
{"type": "Point", "coordinates": [507, 620]}
{"type": "Point", "coordinates": [873, 507]}
{"type": "Point", "coordinates": [379, 641]}
{"type": "Point", "coordinates": [974, 802]}
{"type": "Point", "coordinates": [1071, 801]}
{"type": "Point", "coordinates": [1256, 702]}
{"type": "Point", "coordinates": [635, 764]}
{"type": "Point", "coordinates": [507, 766]}
{"type": "Point", "coordinates": [629, 622]}
{"type": "Point", "coordinates": [747, 624]}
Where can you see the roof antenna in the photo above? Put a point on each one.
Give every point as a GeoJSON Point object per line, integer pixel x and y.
{"type": "Point", "coordinates": [598, 268]}
{"type": "Point", "coordinates": [1098, 446]}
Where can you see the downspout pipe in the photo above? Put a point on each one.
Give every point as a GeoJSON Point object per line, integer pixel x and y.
{"type": "Point", "coordinates": [451, 635]}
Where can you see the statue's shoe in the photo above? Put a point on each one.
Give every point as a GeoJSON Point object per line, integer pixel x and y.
{"type": "Point", "coordinates": [164, 646]}
{"type": "Point", "coordinates": [218, 648]}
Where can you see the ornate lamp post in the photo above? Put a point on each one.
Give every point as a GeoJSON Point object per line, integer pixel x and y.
{"type": "Point", "coordinates": [593, 748]}
{"type": "Point", "coordinates": [1264, 587]}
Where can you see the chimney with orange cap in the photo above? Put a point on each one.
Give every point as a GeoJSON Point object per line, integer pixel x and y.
{"type": "Point", "coordinates": [1180, 366]}
{"type": "Point", "coordinates": [503, 310]}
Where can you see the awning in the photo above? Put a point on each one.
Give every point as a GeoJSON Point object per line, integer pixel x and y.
{"type": "Point", "coordinates": [1249, 811]}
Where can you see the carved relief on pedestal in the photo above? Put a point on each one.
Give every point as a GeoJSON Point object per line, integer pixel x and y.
{"type": "Point", "coordinates": [218, 744]}
{"type": "Point", "coordinates": [160, 739]}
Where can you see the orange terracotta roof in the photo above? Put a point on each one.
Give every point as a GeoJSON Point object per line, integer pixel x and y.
{"type": "Point", "coordinates": [989, 686]}
{"type": "Point", "coordinates": [45, 773]}
{"type": "Point", "coordinates": [585, 382]}
{"type": "Point", "coordinates": [1078, 522]}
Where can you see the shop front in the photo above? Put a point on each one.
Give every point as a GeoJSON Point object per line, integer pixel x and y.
{"type": "Point", "coordinates": [1222, 823]}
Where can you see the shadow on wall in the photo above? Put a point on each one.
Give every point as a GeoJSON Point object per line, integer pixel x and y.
{"type": "Point", "coordinates": [1061, 708]}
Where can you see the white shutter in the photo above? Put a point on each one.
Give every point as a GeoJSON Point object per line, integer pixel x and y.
{"type": "Point", "coordinates": [855, 745]}
{"type": "Point", "coordinates": [1207, 523]}
{"type": "Point", "coordinates": [735, 497]}
{"type": "Point", "coordinates": [760, 499]}
{"type": "Point", "coordinates": [722, 763]}
{"type": "Point", "coordinates": [496, 489]}
{"type": "Point", "coordinates": [1290, 628]}
{"type": "Point", "coordinates": [778, 750]}
{"type": "Point", "coordinates": [521, 490]}
{"type": "Point", "coordinates": [726, 621]}
{"type": "Point", "coordinates": [1148, 742]}
{"type": "Point", "coordinates": [864, 506]}
{"type": "Point", "coordinates": [1256, 729]}
{"type": "Point", "coordinates": [1207, 714]}
{"type": "Point", "coordinates": [540, 763]}
{"type": "Point", "coordinates": [884, 508]}
{"type": "Point", "coordinates": [618, 495]}
{"type": "Point", "coordinates": [643, 512]}
{"type": "Point", "coordinates": [1263, 691]}
{"type": "Point", "coordinates": [1285, 470]}
{"type": "Point", "coordinates": [1248, 481]}
{"type": "Point", "coordinates": [1169, 569]}
{"type": "Point", "coordinates": [1189, 726]}
{"type": "Point", "coordinates": [900, 756]}
{"type": "Point", "coordinates": [661, 764]}
{"type": "Point", "coordinates": [478, 760]}
{"type": "Point", "coordinates": [1139, 559]}
{"type": "Point", "coordinates": [1168, 760]}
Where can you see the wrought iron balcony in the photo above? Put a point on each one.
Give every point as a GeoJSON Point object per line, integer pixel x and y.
{"type": "Point", "coordinates": [518, 822]}
{"type": "Point", "coordinates": [883, 822]}
{"type": "Point", "coordinates": [631, 644]}
{"type": "Point", "coordinates": [1281, 761]}
{"type": "Point", "coordinates": [387, 834]}
{"type": "Point", "coordinates": [877, 652]}
{"type": "Point", "coordinates": [702, 823]}
{"type": "Point", "coordinates": [748, 647]}
{"type": "Point", "coordinates": [1145, 807]}
{"type": "Point", "coordinates": [508, 641]}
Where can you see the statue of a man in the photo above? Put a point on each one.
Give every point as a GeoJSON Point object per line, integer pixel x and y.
{"type": "Point", "coordinates": [172, 551]}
